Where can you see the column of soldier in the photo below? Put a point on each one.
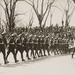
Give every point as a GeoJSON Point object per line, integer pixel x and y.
{"type": "Point", "coordinates": [40, 46]}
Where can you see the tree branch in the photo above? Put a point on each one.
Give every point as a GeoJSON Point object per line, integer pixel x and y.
{"type": "Point", "coordinates": [2, 7]}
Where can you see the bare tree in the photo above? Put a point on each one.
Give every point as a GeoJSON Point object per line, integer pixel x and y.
{"type": "Point", "coordinates": [44, 9]}
{"type": "Point", "coordinates": [51, 15]}
{"type": "Point", "coordinates": [9, 7]}
{"type": "Point", "coordinates": [30, 21]}
{"type": "Point", "coordinates": [68, 12]}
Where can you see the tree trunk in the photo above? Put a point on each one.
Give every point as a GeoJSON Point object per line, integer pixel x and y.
{"type": "Point", "coordinates": [41, 27]}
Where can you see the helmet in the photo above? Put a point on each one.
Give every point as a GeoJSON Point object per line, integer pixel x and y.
{"type": "Point", "coordinates": [13, 34]}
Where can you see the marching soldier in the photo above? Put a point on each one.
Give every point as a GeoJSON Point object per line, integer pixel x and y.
{"type": "Point", "coordinates": [12, 48]}
{"type": "Point", "coordinates": [72, 45]}
{"type": "Point", "coordinates": [52, 47]}
{"type": "Point", "coordinates": [66, 46]}
{"type": "Point", "coordinates": [30, 45]}
{"type": "Point", "coordinates": [39, 46]}
{"type": "Point", "coordinates": [25, 46]}
{"type": "Point", "coordinates": [19, 47]}
{"type": "Point", "coordinates": [60, 44]}
{"type": "Point", "coordinates": [42, 44]}
{"type": "Point", "coordinates": [47, 45]}
{"type": "Point", "coordinates": [56, 45]}
{"type": "Point", "coordinates": [2, 49]}
{"type": "Point", "coordinates": [35, 40]}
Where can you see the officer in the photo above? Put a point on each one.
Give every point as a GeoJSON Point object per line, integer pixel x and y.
{"type": "Point", "coordinates": [19, 47]}
{"type": "Point", "coordinates": [2, 49]}
{"type": "Point", "coordinates": [25, 46]}
{"type": "Point", "coordinates": [12, 48]}
{"type": "Point", "coordinates": [30, 45]}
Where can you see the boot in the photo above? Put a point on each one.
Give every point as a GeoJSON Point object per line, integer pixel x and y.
{"type": "Point", "coordinates": [23, 59]}
{"type": "Point", "coordinates": [16, 61]}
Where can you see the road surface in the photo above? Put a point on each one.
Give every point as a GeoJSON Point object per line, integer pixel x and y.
{"type": "Point", "coordinates": [51, 65]}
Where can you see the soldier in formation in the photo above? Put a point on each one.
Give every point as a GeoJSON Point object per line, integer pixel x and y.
{"type": "Point", "coordinates": [2, 49]}
{"type": "Point", "coordinates": [11, 48]}
{"type": "Point", "coordinates": [19, 47]}
{"type": "Point", "coordinates": [34, 45]}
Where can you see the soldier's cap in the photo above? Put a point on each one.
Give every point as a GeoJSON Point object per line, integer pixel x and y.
{"type": "Point", "coordinates": [12, 35]}
{"type": "Point", "coordinates": [35, 36]}
{"type": "Point", "coordinates": [39, 36]}
{"type": "Point", "coordinates": [30, 35]}
{"type": "Point", "coordinates": [3, 33]}
{"type": "Point", "coordinates": [47, 36]}
{"type": "Point", "coordinates": [19, 35]}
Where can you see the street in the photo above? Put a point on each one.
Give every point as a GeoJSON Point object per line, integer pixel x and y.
{"type": "Point", "coordinates": [51, 65]}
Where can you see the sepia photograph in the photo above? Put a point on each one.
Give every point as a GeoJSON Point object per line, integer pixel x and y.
{"type": "Point", "coordinates": [37, 37]}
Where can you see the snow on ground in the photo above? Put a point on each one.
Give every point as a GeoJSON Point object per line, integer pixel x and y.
{"type": "Point", "coordinates": [51, 65]}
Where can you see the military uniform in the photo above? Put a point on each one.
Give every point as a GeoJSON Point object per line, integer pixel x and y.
{"type": "Point", "coordinates": [56, 45]}
{"type": "Point", "coordinates": [25, 47]}
{"type": "Point", "coordinates": [46, 46]}
{"type": "Point", "coordinates": [2, 49]}
{"type": "Point", "coordinates": [60, 44]}
{"type": "Point", "coordinates": [4, 40]}
{"type": "Point", "coordinates": [52, 47]}
{"type": "Point", "coordinates": [35, 47]}
{"type": "Point", "coordinates": [73, 47]}
{"type": "Point", "coordinates": [12, 48]}
{"type": "Point", "coordinates": [30, 46]}
{"type": "Point", "coordinates": [42, 44]}
{"type": "Point", "coordinates": [39, 46]}
{"type": "Point", "coordinates": [66, 46]}
{"type": "Point", "coordinates": [19, 47]}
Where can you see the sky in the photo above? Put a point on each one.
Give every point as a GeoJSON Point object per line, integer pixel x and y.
{"type": "Point", "coordinates": [23, 7]}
